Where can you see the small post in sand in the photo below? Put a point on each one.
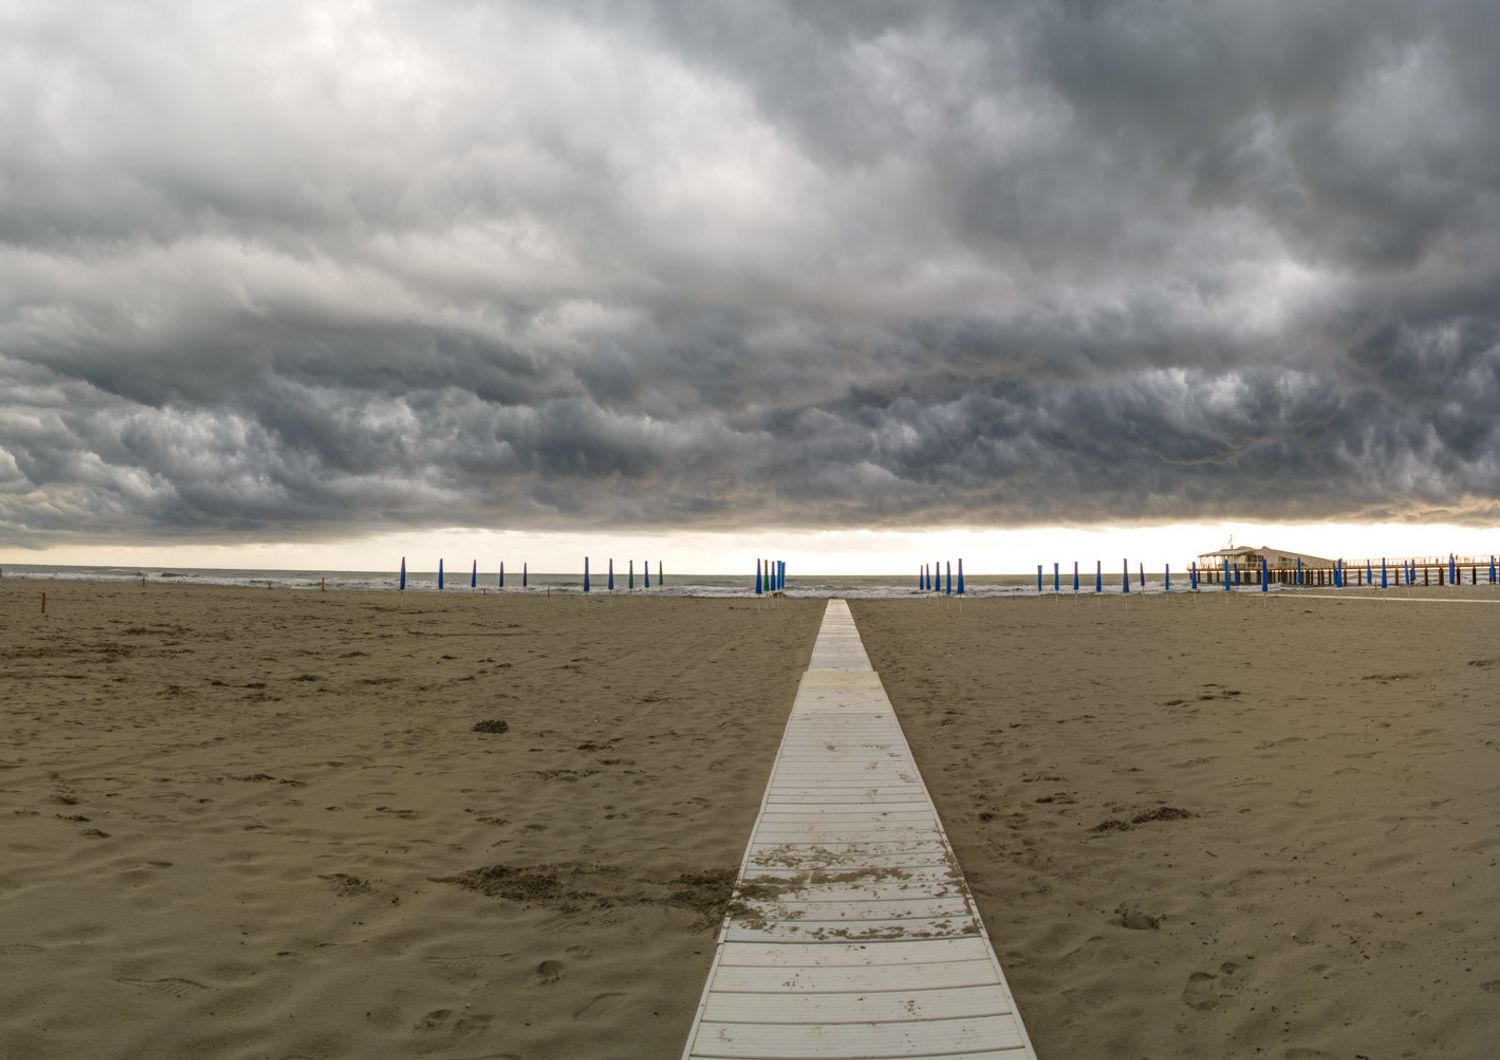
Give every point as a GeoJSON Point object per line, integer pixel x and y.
{"type": "Point", "coordinates": [44, 603]}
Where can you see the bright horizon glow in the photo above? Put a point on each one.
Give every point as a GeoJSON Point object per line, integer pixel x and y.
{"type": "Point", "coordinates": [827, 552]}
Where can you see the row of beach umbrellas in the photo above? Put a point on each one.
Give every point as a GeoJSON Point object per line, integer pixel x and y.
{"type": "Point", "coordinates": [661, 578]}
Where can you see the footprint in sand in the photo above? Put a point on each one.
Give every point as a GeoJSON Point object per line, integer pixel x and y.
{"type": "Point", "coordinates": [1207, 990]}
{"type": "Point", "coordinates": [470, 961]}
{"type": "Point", "coordinates": [548, 972]}
{"type": "Point", "coordinates": [434, 1020]}
{"type": "Point", "coordinates": [601, 1005]}
{"type": "Point", "coordinates": [469, 968]}
{"type": "Point", "coordinates": [472, 1023]}
{"type": "Point", "coordinates": [169, 987]}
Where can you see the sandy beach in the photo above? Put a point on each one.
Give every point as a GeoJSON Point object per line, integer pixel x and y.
{"type": "Point", "coordinates": [242, 823]}
{"type": "Point", "coordinates": [1209, 828]}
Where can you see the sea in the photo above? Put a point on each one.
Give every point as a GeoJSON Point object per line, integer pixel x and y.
{"type": "Point", "coordinates": [861, 586]}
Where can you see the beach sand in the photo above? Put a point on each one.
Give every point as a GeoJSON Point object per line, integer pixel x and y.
{"type": "Point", "coordinates": [1199, 827]}
{"type": "Point", "coordinates": [244, 823]}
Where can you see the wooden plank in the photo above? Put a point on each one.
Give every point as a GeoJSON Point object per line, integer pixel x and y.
{"type": "Point", "coordinates": [843, 978]}
{"type": "Point", "coordinates": [854, 954]}
{"type": "Point", "coordinates": [884, 1006]}
{"type": "Point", "coordinates": [858, 1041]}
{"type": "Point", "coordinates": [899, 907]}
{"type": "Point", "coordinates": [896, 929]}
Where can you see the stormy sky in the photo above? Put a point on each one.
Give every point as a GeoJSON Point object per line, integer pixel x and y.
{"type": "Point", "coordinates": [311, 271]}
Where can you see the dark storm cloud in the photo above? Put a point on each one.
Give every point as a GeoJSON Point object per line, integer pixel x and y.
{"type": "Point", "coordinates": [301, 271]}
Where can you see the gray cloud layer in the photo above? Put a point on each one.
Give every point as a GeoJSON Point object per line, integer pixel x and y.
{"type": "Point", "coordinates": [296, 271]}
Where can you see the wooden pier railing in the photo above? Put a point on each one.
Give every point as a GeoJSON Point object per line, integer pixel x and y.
{"type": "Point", "coordinates": [1426, 573]}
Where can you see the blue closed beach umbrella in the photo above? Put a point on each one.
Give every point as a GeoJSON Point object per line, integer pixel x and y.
{"type": "Point", "coordinates": [403, 574]}
{"type": "Point", "coordinates": [525, 575]}
{"type": "Point", "coordinates": [1452, 570]}
{"type": "Point", "coordinates": [1492, 569]}
{"type": "Point", "coordinates": [585, 574]}
{"type": "Point", "coordinates": [611, 583]}
{"type": "Point", "coordinates": [1370, 573]}
{"type": "Point", "coordinates": [1098, 575]}
{"type": "Point", "coordinates": [1383, 584]}
{"type": "Point", "coordinates": [1039, 579]}
{"type": "Point", "coordinates": [1226, 574]}
{"type": "Point", "coordinates": [937, 581]}
{"type": "Point", "coordinates": [630, 577]}
{"type": "Point", "coordinates": [757, 577]}
{"type": "Point", "coordinates": [474, 576]}
{"type": "Point", "coordinates": [1143, 575]}
{"type": "Point", "coordinates": [660, 578]}
{"type": "Point", "coordinates": [1265, 576]}
{"type": "Point", "coordinates": [1057, 577]}
{"type": "Point", "coordinates": [1299, 570]}
{"type": "Point", "coordinates": [1166, 586]}
{"type": "Point", "coordinates": [645, 572]}
{"type": "Point", "coordinates": [1075, 575]}
{"type": "Point", "coordinates": [440, 575]}
{"type": "Point", "coordinates": [1127, 574]}
{"type": "Point", "coordinates": [502, 574]}
{"type": "Point", "coordinates": [1193, 576]}
{"type": "Point", "coordinates": [960, 577]}
{"type": "Point", "coordinates": [921, 578]}
{"type": "Point", "coordinates": [949, 568]}
{"type": "Point", "coordinates": [1236, 574]}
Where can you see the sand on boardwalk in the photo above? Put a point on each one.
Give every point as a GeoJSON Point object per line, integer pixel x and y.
{"type": "Point", "coordinates": [1199, 827]}
{"type": "Point", "coordinates": [244, 823]}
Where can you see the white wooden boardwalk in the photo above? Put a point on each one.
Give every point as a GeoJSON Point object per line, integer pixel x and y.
{"type": "Point", "coordinates": [852, 933]}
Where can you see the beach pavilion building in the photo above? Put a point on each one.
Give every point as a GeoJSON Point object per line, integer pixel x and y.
{"type": "Point", "coordinates": [1247, 557]}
